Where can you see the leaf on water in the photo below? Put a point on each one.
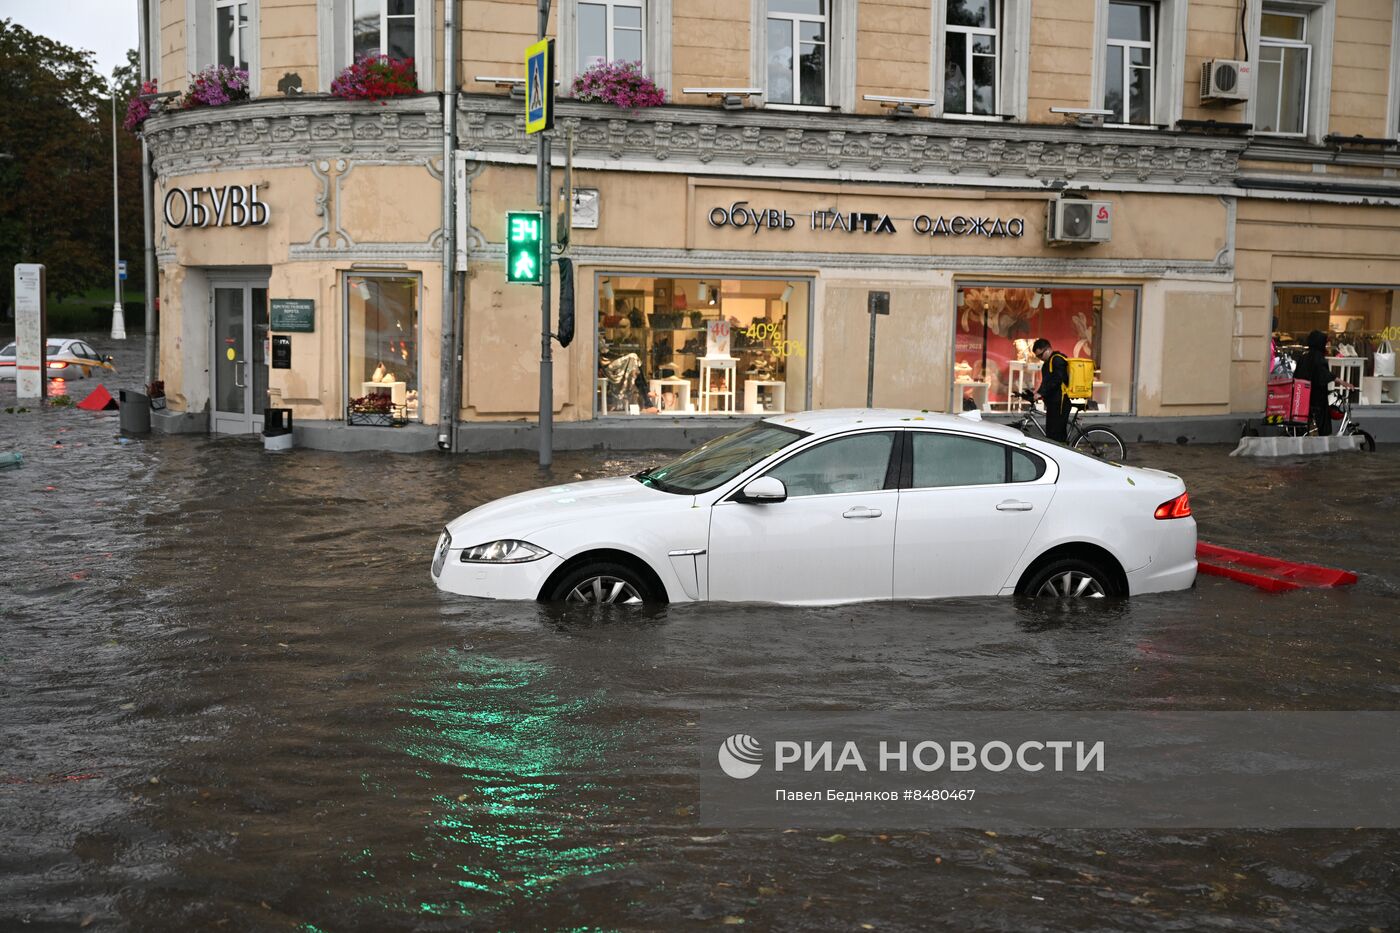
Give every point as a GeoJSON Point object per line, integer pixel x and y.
{"type": "Point", "coordinates": [837, 837]}
{"type": "Point", "coordinates": [767, 892]}
{"type": "Point", "coordinates": [732, 921]}
{"type": "Point", "coordinates": [707, 838]}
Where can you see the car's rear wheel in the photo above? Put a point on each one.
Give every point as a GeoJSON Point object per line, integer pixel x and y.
{"type": "Point", "coordinates": [1071, 578]}
{"type": "Point", "coordinates": [602, 582]}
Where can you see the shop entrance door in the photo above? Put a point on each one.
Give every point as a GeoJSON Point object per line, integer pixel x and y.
{"type": "Point", "coordinates": [239, 363]}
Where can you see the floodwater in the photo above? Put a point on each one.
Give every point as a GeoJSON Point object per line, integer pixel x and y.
{"type": "Point", "coordinates": [232, 699]}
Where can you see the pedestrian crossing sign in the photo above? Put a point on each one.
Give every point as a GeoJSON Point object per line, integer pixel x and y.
{"type": "Point", "coordinates": [539, 87]}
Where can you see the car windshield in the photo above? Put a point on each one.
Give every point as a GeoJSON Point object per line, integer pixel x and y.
{"type": "Point", "coordinates": [720, 460]}
{"type": "Point", "coordinates": [52, 347]}
{"type": "Point", "coordinates": [8, 351]}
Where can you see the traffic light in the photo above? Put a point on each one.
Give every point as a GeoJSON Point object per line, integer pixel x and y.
{"type": "Point", "coordinates": [524, 247]}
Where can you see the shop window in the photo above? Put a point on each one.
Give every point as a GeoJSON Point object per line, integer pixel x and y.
{"type": "Point", "coordinates": [845, 465]}
{"type": "Point", "coordinates": [971, 57]}
{"type": "Point", "coordinates": [231, 30]}
{"type": "Point", "coordinates": [1130, 62]}
{"type": "Point", "coordinates": [1356, 321]}
{"type": "Point", "coordinates": [701, 346]}
{"type": "Point", "coordinates": [610, 31]}
{"type": "Point", "coordinates": [382, 352]}
{"type": "Point", "coordinates": [998, 324]}
{"type": "Point", "coordinates": [797, 33]}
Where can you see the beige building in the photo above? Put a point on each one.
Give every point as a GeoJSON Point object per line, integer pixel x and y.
{"type": "Point", "coordinates": [1175, 190]}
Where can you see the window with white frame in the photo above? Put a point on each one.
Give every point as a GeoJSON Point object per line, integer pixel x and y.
{"type": "Point", "coordinates": [231, 32]}
{"type": "Point", "coordinates": [972, 57]}
{"type": "Point", "coordinates": [351, 29]}
{"type": "Point", "coordinates": [1130, 62]}
{"type": "Point", "coordinates": [610, 31]}
{"type": "Point", "coordinates": [383, 27]}
{"type": "Point", "coordinates": [797, 34]}
{"type": "Point", "coordinates": [1284, 72]}
{"type": "Point", "coordinates": [218, 32]}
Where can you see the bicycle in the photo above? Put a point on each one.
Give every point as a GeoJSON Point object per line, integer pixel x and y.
{"type": "Point", "coordinates": [1344, 425]}
{"type": "Point", "coordinates": [1096, 440]}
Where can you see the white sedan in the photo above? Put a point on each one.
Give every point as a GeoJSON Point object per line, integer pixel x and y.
{"type": "Point", "coordinates": [67, 358]}
{"type": "Point", "coordinates": [836, 506]}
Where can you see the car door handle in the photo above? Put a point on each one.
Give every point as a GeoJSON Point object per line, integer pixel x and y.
{"type": "Point", "coordinates": [861, 511]}
{"type": "Point", "coordinates": [1014, 505]}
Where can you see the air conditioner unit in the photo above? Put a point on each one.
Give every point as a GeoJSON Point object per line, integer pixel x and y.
{"type": "Point", "coordinates": [1224, 81]}
{"type": "Point", "coordinates": [1074, 220]}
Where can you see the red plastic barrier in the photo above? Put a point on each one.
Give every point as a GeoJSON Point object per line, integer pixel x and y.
{"type": "Point", "coordinates": [99, 399]}
{"type": "Point", "coordinates": [1267, 573]}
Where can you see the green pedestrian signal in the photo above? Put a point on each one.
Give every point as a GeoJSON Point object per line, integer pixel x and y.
{"type": "Point", "coordinates": [524, 247]}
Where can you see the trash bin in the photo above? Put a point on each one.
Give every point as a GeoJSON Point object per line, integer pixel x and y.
{"type": "Point", "coordinates": [135, 412]}
{"type": "Point", "coordinates": [277, 429]}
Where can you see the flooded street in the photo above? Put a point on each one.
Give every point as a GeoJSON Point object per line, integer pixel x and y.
{"type": "Point", "coordinates": [231, 698]}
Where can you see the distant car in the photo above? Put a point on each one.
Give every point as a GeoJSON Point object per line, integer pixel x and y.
{"type": "Point", "coordinates": [836, 506]}
{"type": "Point", "coordinates": [68, 358]}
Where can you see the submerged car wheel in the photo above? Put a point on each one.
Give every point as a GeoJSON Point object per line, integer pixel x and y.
{"type": "Point", "coordinates": [602, 582]}
{"type": "Point", "coordinates": [1071, 578]}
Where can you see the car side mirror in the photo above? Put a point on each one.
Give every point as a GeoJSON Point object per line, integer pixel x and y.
{"type": "Point", "coordinates": [764, 490]}
{"type": "Point", "coordinates": [108, 358]}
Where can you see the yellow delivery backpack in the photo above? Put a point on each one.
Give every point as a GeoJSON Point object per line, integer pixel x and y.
{"type": "Point", "coordinates": [1081, 378]}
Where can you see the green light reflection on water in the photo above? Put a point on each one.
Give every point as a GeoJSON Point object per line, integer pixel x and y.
{"type": "Point", "coordinates": [517, 749]}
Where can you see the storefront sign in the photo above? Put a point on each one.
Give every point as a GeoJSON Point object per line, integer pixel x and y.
{"type": "Point", "coordinates": [740, 216]}
{"type": "Point", "coordinates": [294, 315]}
{"type": "Point", "coordinates": [215, 206]}
{"type": "Point", "coordinates": [281, 351]}
{"type": "Point", "coordinates": [1307, 299]}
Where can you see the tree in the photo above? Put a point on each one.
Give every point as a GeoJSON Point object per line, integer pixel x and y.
{"type": "Point", "coordinates": [56, 188]}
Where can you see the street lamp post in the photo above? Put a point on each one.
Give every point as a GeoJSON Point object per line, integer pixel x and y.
{"type": "Point", "coordinates": [118, 319]}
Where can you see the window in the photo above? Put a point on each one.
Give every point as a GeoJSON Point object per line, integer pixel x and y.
{"type": "Point", "coordinates": [703, 345]}
{"type": "Point", "coordinates": [797, 52]}
{"type": "Point", "coordinates": [972, 54]}
{"type": "Point", "coordinates": [610, 31]}
{"type": "Point", "coordinates": [1129, 64]}
{"type": "Point", "coordinates": [1285, 65]}
{"type": "Point", "coordinates": [717, 461]}
{"type": "Point", "coordinates": [220, 32]}
{"type": "Point", "coordinates": [950, 460]}
{"type": "Point", "coordinates": [382, 340]}
{"type": "Point", "coordinates": [382, 27]}
{"type": "Point", "coordinates": [997, 324]}
{"type": "Point", "coordinates": [350, 29]}
{"type": "Point", "coordinates": [231, 32]}
{"type": "Point", "coordinates": [845, 465]}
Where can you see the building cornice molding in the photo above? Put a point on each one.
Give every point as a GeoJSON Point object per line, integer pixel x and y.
{"type": "Point", "coordinates": [703, 140]}
{"type": "Point", "coordinates": [272, 133]}
{"type": "Point", "coordinates": [1077, 266]}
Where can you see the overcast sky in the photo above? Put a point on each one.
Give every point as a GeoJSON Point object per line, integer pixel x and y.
{"type": "Point", "coordinates": [107, 27]}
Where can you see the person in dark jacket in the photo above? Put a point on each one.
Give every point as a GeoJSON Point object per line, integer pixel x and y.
{"type": "Point", "coordinates": [1313, 367]}
{"type": "Point", "coordinates": [1054, 389]}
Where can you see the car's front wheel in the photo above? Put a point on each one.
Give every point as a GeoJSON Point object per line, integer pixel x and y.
{"type": "Point", "coordinates": [1071, 578]}
{"type": "Point", "coordinates": [602, 582]}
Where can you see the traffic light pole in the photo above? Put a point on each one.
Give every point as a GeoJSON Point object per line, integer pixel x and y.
{"type": "Point", "coordinates": [542, 194]}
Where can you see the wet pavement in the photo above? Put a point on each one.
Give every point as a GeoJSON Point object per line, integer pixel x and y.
{"type": "Point", "coordinates": [231, 698]}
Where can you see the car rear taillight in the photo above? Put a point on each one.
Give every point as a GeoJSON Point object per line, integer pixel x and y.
{"type": "Point", "coordinates": [58, 365]}
{"type": "Point", "coordinates": [1180, 507]}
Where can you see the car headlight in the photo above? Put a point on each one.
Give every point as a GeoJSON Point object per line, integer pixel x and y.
{"type": "Point", "coordinates": [507, 551]}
